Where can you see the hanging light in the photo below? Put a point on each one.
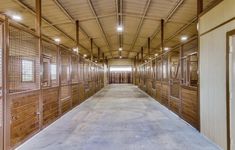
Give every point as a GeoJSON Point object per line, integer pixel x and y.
{"type": "Point", "coordinates": [156, 55]}
{"type": "Point", "coordinates": [120, 49]}
{"type": "Point", "coordinates": [85, 55]}
{"type": "Point", "coordinates": [120, 57]}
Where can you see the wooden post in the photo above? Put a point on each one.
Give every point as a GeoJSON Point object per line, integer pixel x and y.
{"type": "Point", "coordinates": [38, 24]}
{"type": "Point", "coordinates": [77, 33]}
{"type": "Point", "coordinates": [91, 49]}
{"type": "Point", "coordinates": [142, 54]}
{"type": "Point", "coordinates": [6, 102]}
{"type": "Point", "coordinates": [199, 7]}
{"type": "Point", "coordinates": [103, 59]}
{"type": "Point", "coordinates": [98, 54]}
{"type": "Point", "coordinates": [149, 51]}
{"type": "Point", "coordinates": [162, 35]}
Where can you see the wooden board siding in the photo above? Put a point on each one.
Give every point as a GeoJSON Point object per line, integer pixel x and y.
{"type": "Point", "coordinates": [164, 96]}
{"type": "Point", "coordinates": [50, 105]}
{"type": "Point", "coordinates": [24, 116]}
{"type": "Point", "coordinates": [159, 91]}
{"type": "Point", "coordinates": [174, 105]}
{"type": "Point", "coordinates": [81, 90]}
{"type": "Point", "coordinates": [75, 94]}
{"type": "Point", "coordinates": [190, 106]}
{"type": "Point", "coordinates": [66, 105]}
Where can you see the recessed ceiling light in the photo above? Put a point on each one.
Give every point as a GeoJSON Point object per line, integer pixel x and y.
{"type": "Point", "coordinates": [120, 49]}
{"type": "Point", "coordinates": [119, 28]}
{"type": "Point", "coordinates": [16, 17]}
{"type": "Point", "coordinates": [166, 48]}
{"type": "Point", "coordinates": [184, 38]}
{"type": "Point", "coordinates": [57, 40]}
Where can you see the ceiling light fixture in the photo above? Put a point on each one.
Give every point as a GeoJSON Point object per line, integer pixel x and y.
{"type": "Point", "coordinates": [156, 55]}
{"type": "Point", "coordinates": [85, 55]}
{"type": "Point", "coordinates": [184, 38]}
{"type": "Point", "coordinates": [120, 49]}
{"type": "Point", "coordinates": [16, 17]}
{"type": "Point", "coordinates": [120, 57]}
{"type": "Point", "coordinates": [76, 49]}
{"type": "Point", "coordinates": [57, 40]}
{"type": "Point", "coordinates": [119, 28]}
{"type": "Point", "coordinates": [166, 48]}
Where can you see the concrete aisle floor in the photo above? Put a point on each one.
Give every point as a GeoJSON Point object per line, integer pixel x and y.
{"type": "Point", "coordinates": [120, 117]}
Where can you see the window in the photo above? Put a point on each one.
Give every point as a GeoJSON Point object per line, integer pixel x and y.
{"type": "Point", "coordinates": [27, 74]}
{"type": "Point", "coordinates": [53, 72]}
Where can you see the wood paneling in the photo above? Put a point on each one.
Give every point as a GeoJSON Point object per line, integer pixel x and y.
{"type": "Point", "coordinates": [190, 106]}
{"type": "Point", "coordinates": [164, 95]}
{"type": "Point", "coordinates": [174, 105]}
{"type": "Point", "coordinates": [158, 91]}
{"type": "Point", "coordinates": [50, 105]}
{"type": "Point", "coordinates": [24, 115]}
{"type": "Point", "coordinates": [75, 94]}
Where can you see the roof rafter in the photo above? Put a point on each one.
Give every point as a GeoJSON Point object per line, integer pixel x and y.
{"type": "Point", "coordinates": [99, 24]}
{"type": "Point", "coordinates": [141, 23]}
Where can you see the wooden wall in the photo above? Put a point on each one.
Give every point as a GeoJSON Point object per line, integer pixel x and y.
{"type": "Point", "coordinates": [213, 28]}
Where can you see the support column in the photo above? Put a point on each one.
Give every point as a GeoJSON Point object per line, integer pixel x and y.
{"type": "Point", "coordinates": [199, 7]}
{"type": "Point", "coordinates": [162, 35]}
{"type": "Point", "coordinates": [142, 54]}
{"type": "Point", "coordinates": [38, 24]}
{"type": "Point", "coordinates": [91, 49]}
{"type": "Point", "coordinates": [149, 50]}
{"type": "Point", "coordinates": [77, 33]}
{"type": "Point", "coordinates": [98, 54]}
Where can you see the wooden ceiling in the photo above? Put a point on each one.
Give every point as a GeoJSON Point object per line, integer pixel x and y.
{"type": "Point", "coordinates": [99, 19]}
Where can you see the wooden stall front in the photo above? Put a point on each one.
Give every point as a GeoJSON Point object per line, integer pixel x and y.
{"type": "Point", "coordinates": [43, 82]}
{"type": "Point", "coordinates": [173, 76]}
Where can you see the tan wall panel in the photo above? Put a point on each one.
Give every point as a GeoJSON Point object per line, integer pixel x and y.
{"type": "Point", "coordinates": [213, 71]}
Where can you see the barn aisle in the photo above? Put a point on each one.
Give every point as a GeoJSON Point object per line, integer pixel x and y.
{"type": "Point", "coordinates": [119, 117]}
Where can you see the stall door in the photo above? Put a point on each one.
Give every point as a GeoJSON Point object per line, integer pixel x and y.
{"type": "Point", "coordinates": [232, 91]}
{"type": "Point", "coordinates": [1, 96]}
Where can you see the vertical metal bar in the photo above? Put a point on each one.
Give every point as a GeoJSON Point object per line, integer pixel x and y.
{"type": "Point", "coordinates": [38, 32]}
{"type": "Point", "coordinates": [6, 102]}
{"type": "Point", "coordinates": [91, 49]}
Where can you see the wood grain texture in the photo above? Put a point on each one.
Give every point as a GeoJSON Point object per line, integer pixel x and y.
{"type": "Point", "coordinates": [24, 117]}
